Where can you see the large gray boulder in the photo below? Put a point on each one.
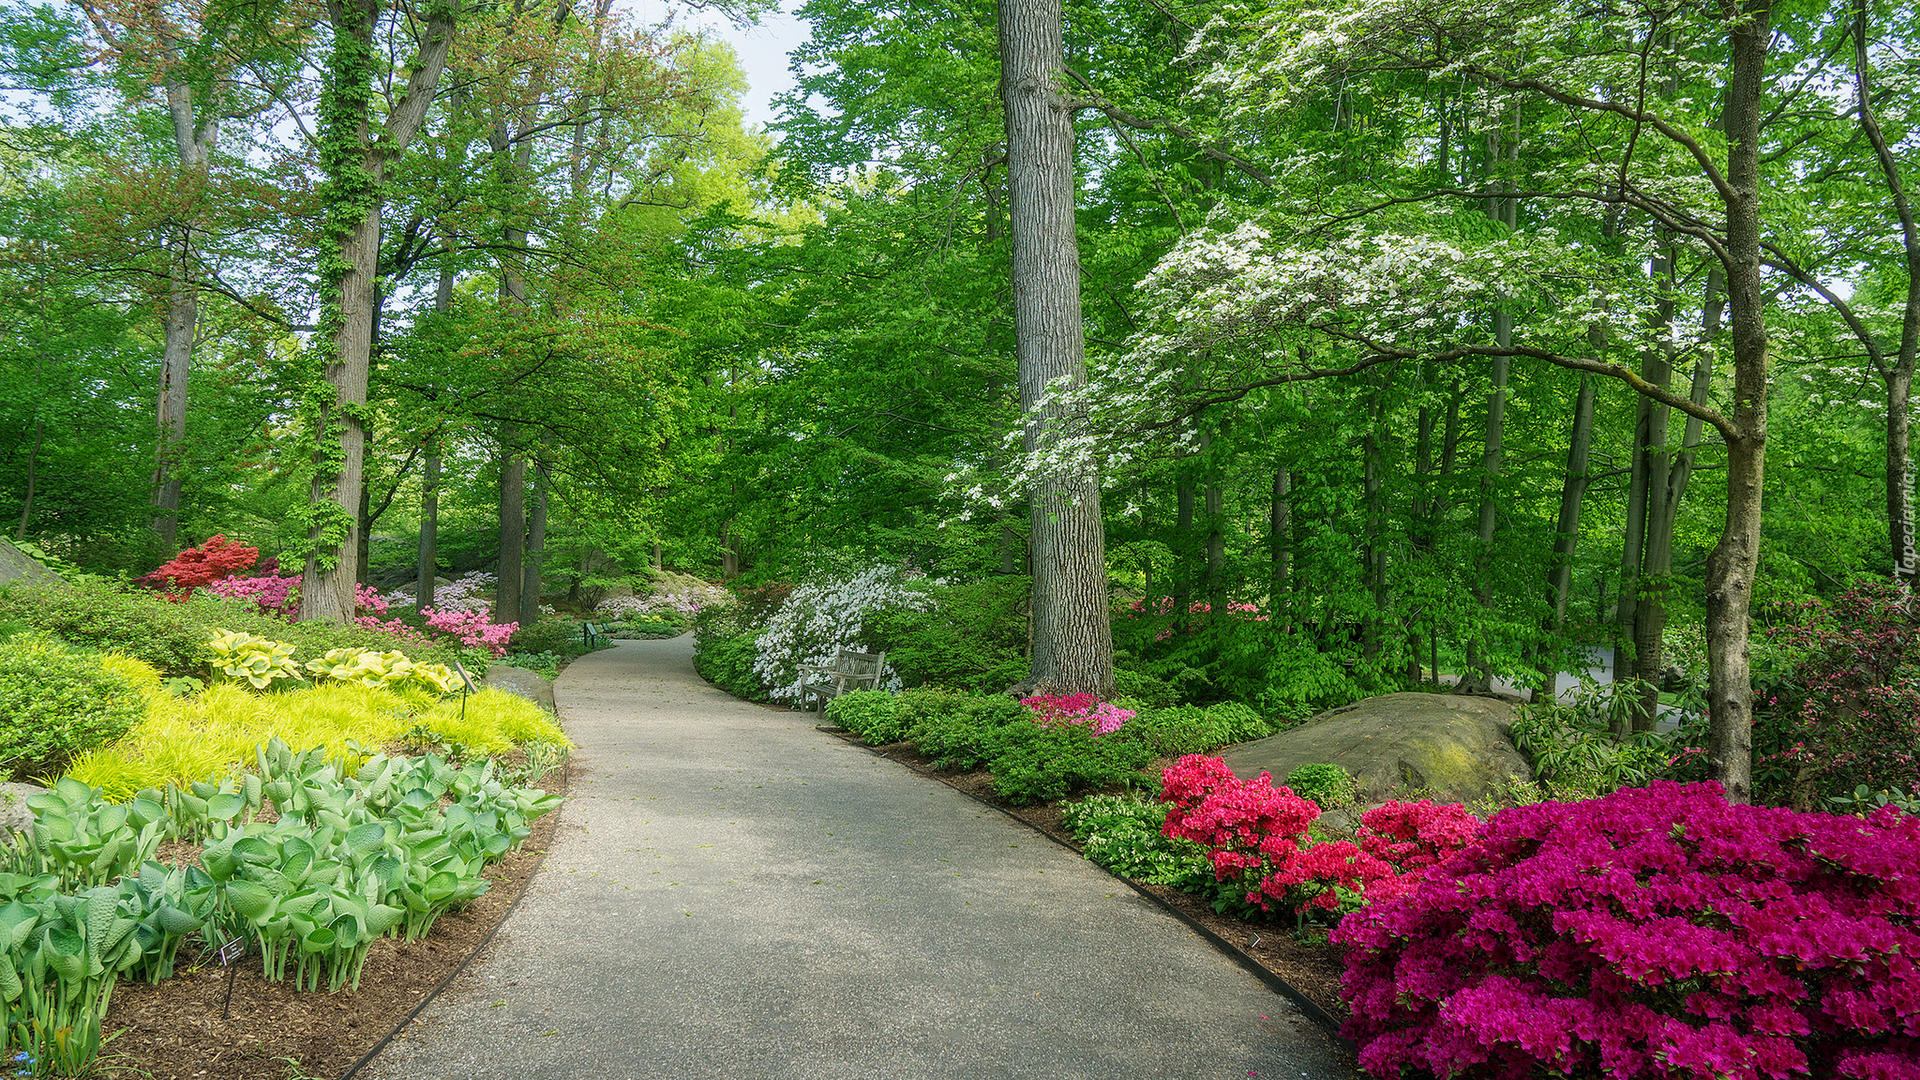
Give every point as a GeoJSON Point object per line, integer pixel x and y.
{"type": "Point", "coordinates": [14, 815]}
{"type": "Point", "coordinates": [518, 680]}
{"type": "Point", "coordinates": [17, 565]}
{"type": "Point", "coordinates": [1450, 747]}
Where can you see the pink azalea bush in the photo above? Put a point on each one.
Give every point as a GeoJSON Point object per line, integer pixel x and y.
{"type": "Point", "coordinates": [473, 628]}
{"type": "Point", "coordinates": [1654, 933]}
{"type": "Point", "coordinates": [1080, 710]}
{"type": "Point", "coordinates": [271, 593]}
{"type": "Point", "coordinates": [1256, 838]}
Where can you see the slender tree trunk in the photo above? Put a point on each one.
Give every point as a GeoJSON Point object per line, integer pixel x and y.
{"type": "Point", "coordinates": [193, 140]}
{"type": "Point", "coordinates": [1566, 532]}
{"type": "Point", "coordinates": [1182, 547]}
{"type": "Point", "coordinates": [513, 529]}
{"type": "Point", "coordinates": [536, 547]}
{"type": "Point", "coordinates": [33, 478]}
{"type": "Point", "coordinates": [1374, 552]}
{"type": "Point", "coordinates": [1073, 641]}
{"type": "Point", "coordinates": [1734, 560]}
{"type": "Point", "coordinates": [429, 556]}
{"type": "Point", "coordinates": [1280, 550]}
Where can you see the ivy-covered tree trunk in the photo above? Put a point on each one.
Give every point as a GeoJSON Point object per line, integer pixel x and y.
{"type": "Point", "coordinates": [353, 160]}
{"type": "Point", "coordinates": [1072, 637]}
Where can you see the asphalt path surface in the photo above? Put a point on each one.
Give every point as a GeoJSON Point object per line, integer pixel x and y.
{"type": "Point", "coordinates": [732, 893]}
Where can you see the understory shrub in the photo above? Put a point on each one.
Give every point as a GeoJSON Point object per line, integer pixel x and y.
{"type": "Point", "coordinates": [874, 715]}
{"type": "Point", "coordinates": [1122, 834]}
{"type": "Point", "coordinates": [1034, 763]}
{"type": "Point", "coordinates": [1327, 785]}
{"type": "Point", "coordinates": [172, 636]}
{"type": "Point", "coordinates": [969, 637]}
{"type": "Point", "coordinates": [56, 702]}
{"type": "Point", "coordinates": [727, 662]}
{"type": "Point", "coordinates": [1191, 729]}
{"type": "Point", "coordinates": [820, 618]}
{"type": "Point", "coordinates": [1656, 932]}
{"type": "Point", "coordinates": [560, 637]}
{"type": "Point", "coordinates": [959, 731]}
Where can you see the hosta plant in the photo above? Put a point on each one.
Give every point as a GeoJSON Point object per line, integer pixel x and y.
{"type": "Point", "coordinates": [256, 660]}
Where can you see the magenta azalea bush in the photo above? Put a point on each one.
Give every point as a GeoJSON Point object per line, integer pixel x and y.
{"type": "Point", "coordinates": [1653, 933]}
{"type": "Point", "coordinates": [1079, 710]}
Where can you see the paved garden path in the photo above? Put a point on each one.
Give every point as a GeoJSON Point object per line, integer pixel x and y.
{"type": "Point", "coordinates": [734, 894]}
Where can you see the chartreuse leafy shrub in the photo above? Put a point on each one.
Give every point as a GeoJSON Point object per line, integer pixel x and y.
{"type": "Point", "coordinates": [1122, 833]}
{"type": "Point", "coordinates": [214, 733]}
{"type": "Point", "coordinates": [57, 702]}
{"type": "Point", "coordinates": [387, 669]}
{"type": "Point", "coordinates": [1656, 932]}
{"type": "Point", "coordinates": [257, 661]}
{"type": "Point", "coordinates": [1325, 784]}
{"type": "Point", "coordinates": [1262, 854]}
{"type": "Point", "coordinates": [172, 637]}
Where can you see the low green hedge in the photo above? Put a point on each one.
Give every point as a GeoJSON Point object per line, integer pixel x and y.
{"type": "Point", "coordinates": [58, 702]}
{"type": "Point", "coordinates": [1029, 762]}
{"type": "Point", "coordinates": [726, 661]}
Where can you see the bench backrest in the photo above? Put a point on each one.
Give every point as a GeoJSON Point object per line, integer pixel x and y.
{"type": "Point", "coordinates": [858, 663]}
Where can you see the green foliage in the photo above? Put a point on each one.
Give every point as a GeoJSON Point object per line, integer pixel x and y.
{"type": "Point", "coordinates": [727, 662]}
{"type": "Point", "coordinates": [1037, 764]}
{"type": "Point", "coordinates": [1574, 752]}
{"type": "Point", "coordinates": [82, 840]}
{"type": "Point", "coordinates": [957, 731]}
{"type": "Point", "coordinates": [1326, 784]}
{"type": "Point", "coordinates": [1122, 834]}
{"type": "Point", "coordinates": [556, 636]}
{"type": "Point", "coordinates": [970, 641]}
{"type": "Point", "coordinates": [544, 664]}
{"type": "Point", "coordinates": [1150, 692]}
{"type": "Point", "coordinates": [1191, 729]}
{"type": "Point", "coordinates": [57, 702]}
{"type": "Point", "coordinates": [390, 668]}
{"type": "Point", "coordinates": [172, 636]}
{"type": "Point", "coordinates": [877, 716]}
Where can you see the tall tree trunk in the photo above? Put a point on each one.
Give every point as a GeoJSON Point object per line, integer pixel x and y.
{"type": "Point", "coordinates": [1072, 635]}
{"type": "Point", "coordinates": [1373, 469]}
{"type": "Point", "coordinates": [1566, 531]}
{"type": "Point", "coordinates": [363, 527]}
{"type": "Point", "coordinates": [1656, 556]}
{"type": "Point", "coordinates": [1280, 550]}
{"type": "Point", "coordinates": [1479, 675]}
{"type": "Point", "coordinates": [429, 555]}
{"type": "Point", "coordinates": [354, 164]}
{"type": "Point", "coordinates": [513, 529]}
{"type": "Point", "coordinates": [1732, 564]}
{"type": "Point", "coordinates": [33, 478]}
{"type": "Point", "coordinates": [531, 589]}
{"type": "Point", "coordinates": [1182, 547]}
{"type": "Point", "coordinates": [193, 139]}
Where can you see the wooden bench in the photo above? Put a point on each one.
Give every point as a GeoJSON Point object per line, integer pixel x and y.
{"type": "Point", "coordinates": [821, 683]}
{"type": "Point", "coordinates": [592, 632]}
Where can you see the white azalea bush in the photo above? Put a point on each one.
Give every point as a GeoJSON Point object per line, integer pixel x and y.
{"type": "Point", "coordinates": [820, 618]}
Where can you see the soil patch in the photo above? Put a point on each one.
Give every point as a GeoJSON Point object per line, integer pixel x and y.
{"type": "Point", "coordinates": [1308, 963]}
{"type": "Point", "coordinates": [176, 1031]}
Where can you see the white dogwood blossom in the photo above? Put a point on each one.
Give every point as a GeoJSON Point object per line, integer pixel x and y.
{"type": "Point", "coordinates": [820, 618]}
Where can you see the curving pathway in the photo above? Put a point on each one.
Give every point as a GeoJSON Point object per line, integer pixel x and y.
{"type": "Point", "coordinates": [734, 894]}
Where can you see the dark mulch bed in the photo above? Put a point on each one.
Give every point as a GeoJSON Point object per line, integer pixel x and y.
{"type": "Point", "coordinates": [1308, 964]}
{"type": "Point", "coordinates": [176, 1030]}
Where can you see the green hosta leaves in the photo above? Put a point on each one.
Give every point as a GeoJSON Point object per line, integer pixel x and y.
{"type": "Point", "coordinates": [257, 660]}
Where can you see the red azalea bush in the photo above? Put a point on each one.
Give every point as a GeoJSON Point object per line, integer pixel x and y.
{"type": "Point", "coordinates": [1256, 839]}
{"type": "Point", "coordinates": [195, 567]}
{"type": "Point", "coordinates": [1654, 933]}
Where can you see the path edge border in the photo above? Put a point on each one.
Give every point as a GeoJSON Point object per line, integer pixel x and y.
{"type": "Point", "coordinates": [540, 860]}
{"type": "Point", "coordinates": [1273, 982]}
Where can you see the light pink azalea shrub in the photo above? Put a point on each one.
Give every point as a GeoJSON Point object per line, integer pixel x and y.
{"type": "Point", "coordinates": [1654, 933]}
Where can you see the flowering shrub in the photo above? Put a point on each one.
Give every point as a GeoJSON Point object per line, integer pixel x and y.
{"type": "Point", "coordinates": [1256, 840]}
{"type": "Point", "coordinates": [1657, 932]}
{"type": "Point", "coordinates": [467, 593]}
{"type": "Point", "coordinates": [195, 567]}
{"type": "Point", "coordinates": [1165, 606]}
{"type": "Point", "coordinates": [1848, 711]}
{"type": "Point", "coordinates": [679, 605]}
{"type": "Point", "coordinates": [1085, 710]}
{"type": "Point", "coordinates": [271, 593]}
{"type": "Point", "coordinates": [819, 619]}
{"type": "Point", "coordinates": [475, 629]}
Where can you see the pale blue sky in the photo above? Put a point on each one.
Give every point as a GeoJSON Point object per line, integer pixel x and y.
{"type": "Point", "coordinates": [763, 49]}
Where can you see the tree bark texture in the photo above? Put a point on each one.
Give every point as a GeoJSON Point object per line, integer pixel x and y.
{"type": "Point", "coordinates": [427, 567]}
{"type": "Point", "coordinates": [1732, 564]}
{"type": "Point", "coordinates": [532, 586]}
{"type": "Point", "coordinates": [1072, 636]}
{"type": "Point", "coordinates": [1566, 531]}
{"type": "Point", "coordinates": [193, 139]}
{"type": "Point", "coordinates": [513, 531]}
